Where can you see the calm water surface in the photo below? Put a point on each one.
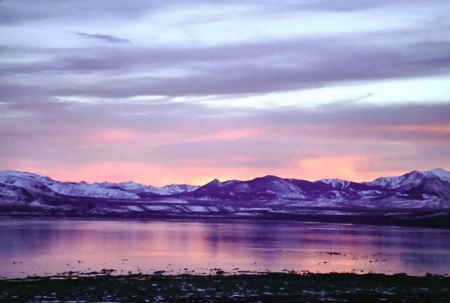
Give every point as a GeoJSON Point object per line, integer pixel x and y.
{"type": "Point", "coordinates": [48, 247]}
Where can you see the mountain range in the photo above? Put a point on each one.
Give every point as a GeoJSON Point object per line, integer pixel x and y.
{"type": "Point", "coordinates": [22, 192]}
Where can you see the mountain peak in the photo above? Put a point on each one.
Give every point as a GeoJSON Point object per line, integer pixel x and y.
{"type": "Point", "coordinates": [213, 183]}
{"type": "Point", "coordinates": [438, 172]}
{"type": "Point", "coordinates": [338, 183]}
{"type": "Point", "coordinates": [411, 179]}
{"type": "Point", "coordinates": [437, 169]}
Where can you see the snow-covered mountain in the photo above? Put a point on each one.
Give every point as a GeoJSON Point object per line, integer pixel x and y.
{"type": "Point", "coordinates": [39, 186]}
{"type": "Point", "coordinates": [416, 189]}
{"type": "Point", "coordinates": [141, 189]}
{"type": "Point", "coordinates": [272, 187]}
{"type": "Point", "coordinates": [422, 185]}
{"type": "Point", "coordinates": [411, 179]}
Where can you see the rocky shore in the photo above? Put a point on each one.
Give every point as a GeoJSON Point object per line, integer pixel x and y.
{"type": "Point", "coordinates": [221, 287]}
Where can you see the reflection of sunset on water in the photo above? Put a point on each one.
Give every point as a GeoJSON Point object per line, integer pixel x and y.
{"type": "Point", "coordinates": [55, 246]}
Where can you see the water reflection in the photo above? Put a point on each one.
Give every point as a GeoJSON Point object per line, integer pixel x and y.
{"type": "Point", "coordinates": [50, 246]}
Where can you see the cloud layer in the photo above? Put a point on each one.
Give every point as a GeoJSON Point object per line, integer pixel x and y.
{"type": "Point", "coordinates": [183, 92]}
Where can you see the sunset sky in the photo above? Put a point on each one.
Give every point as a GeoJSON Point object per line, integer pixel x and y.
{"type": "Point", "coordinates": [164, 92]}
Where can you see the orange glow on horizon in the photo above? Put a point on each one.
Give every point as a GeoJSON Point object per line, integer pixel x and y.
{"type": "Point", "coordinates": [358, 162]}
{"type": "Point", "coordinates": [353, 168]}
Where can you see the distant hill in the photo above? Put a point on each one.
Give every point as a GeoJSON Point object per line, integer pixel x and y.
{"type": "Point", "coordinates": [424, 191]}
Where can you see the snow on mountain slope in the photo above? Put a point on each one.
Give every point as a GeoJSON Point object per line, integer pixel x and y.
{"type": "Point", "coordinates": [31, 182]}
{"type": "Point", "coordinates": [138, 188]}
{"type": "Point", "coordinates": [14, 194]}
{"type": "Point", "coordinates": [13, 175]}
{"type": "Point", "coordinates": [336, 183]}
{"type": "Point", "coordinates": [83, 189]}
{"type": "Point", "coordinates": [405, 181]}
{"type": "Point", "coordinates": [45, 186]}
{"type": "Point", "coordinates": [272, 187]}
{"type": "Point", "coordinates": [131, 186]}
{"type": "Point", "coordinates": [125, 190]}
{"type": "Point", "coordinates": [275, 184]}
{"type": "Point", "coordinates": [438, 172]}
{"type": "Point", "coordinates": [438, 181]}
{"type": "Point", "coordinates": [433, 185]}
{"type": "Point", "coordinates": [173, 189]}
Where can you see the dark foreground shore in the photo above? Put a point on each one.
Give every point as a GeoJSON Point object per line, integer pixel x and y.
{"type": "Point", "coordinates": [250, 287]}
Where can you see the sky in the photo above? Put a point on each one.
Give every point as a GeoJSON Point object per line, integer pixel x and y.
{"type": "Point", "coordinates": [163, 92]}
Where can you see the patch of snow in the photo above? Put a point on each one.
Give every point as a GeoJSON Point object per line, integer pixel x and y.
{"type": "Point", "coordinates": [37, 203]}
{"type": "Point", "coordinates": [242, 188]}
{"type": "Point", "coordinates": [438, 172]}
{"type": "Point", "coordinates": [337, 213]}
{"type": "Point", "coordinates": [196, 208]}
{"type": "Point", "coordinates": [133, 208]}
{"type": "Point", "coordinates": [157, 207]}
{"type": "Point", "coordinates": [336, 183]}
{"type": "Point", "coordinates": [43, 185]}
{"type": "Point", "coordinates": [231, 209]}
{"type": "Point", "coordinates": [174, 189]}
{"type": "Point", "coordinates": [170, 201]}
{"type": "Point", "coordinates": [252, 214]}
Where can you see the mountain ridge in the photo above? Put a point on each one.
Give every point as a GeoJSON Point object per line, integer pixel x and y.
{"type": "Point", "coordinates": [413, 190]}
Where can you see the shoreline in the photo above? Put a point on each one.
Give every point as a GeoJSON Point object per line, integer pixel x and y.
{"type": "Point", "coordinates": [370, 220]}
{"type": "Point", "coordinates": [220, 287]}
{"type": "Point", "coordinates": [216, 272]}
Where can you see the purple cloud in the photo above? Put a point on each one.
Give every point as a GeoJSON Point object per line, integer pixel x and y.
{"type": "Point", "coordinates": [106, 38]}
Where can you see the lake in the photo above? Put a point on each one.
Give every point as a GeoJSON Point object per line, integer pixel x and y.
{"type": "Point", "coordinates": [48, 247]}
